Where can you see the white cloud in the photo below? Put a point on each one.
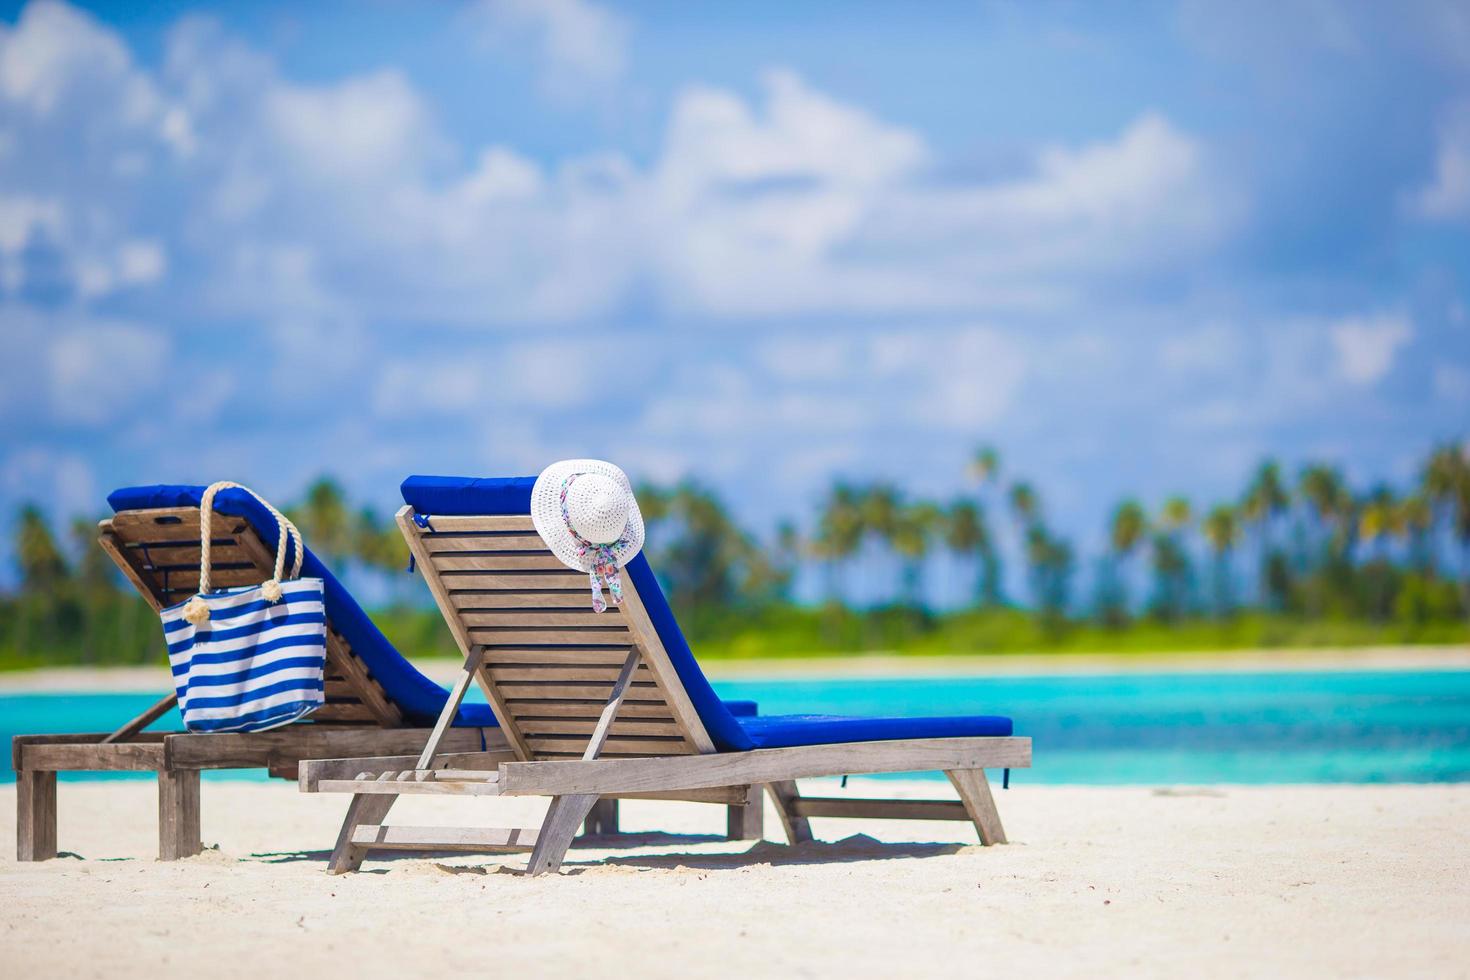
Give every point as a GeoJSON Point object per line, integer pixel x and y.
{"type": "Point", "coordinates": [345, 197]}
{"type": "Point", "coordinates": [1366, 345]}
{"type": "Point", "coordinates": [101, 372]}
{"type": "Point", "coordinates": [1447, 194]}
{"type": "Point", "coordinates": [582, 45]}
{"type": "Point", "coordinates": [56, 52]}
{"type": "Point", "coordinates": [361, 129]}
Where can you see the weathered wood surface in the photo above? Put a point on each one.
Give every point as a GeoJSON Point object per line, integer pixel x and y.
{"type": "Point", "coordinates": [93, 754]}
{"type": "Point", "coordinates": [178, 814]}
{"type": "Point", "coordinates": [836, 806]}
{"type": "Point", "coordinates": [482, 600]}
{"type": "Point", "coordinates": [746, 820]}
{"type": "Point", "coordinates": [394, 787]}
{"type": "Point", "coordinates": [466, 839]}
{"type": "Point", "coordinates": [297, 743]}
{"type": "Point", "coordinates": [363, 810]}
{"type": "Point", "coordinates": [500, 541]}
{"type": "Point", "coordinates": [35, 816]}
{"type": "Point", "coordinates": [761, 765]}
{"type": "Point", "coordinates": [974, 790]}
{"type": "Point", "coordinates": [563, 818]}
{"type": "Point", "coordinates": [467, 649]}
{"type": "Point", "coordinates": [341, 660]}
{"type": "Point", "coordinates": [543, 652]}
{"type": "Point", "coordinates": [314, 770]}
{"type": "Point", "coordinates": [784, 795]}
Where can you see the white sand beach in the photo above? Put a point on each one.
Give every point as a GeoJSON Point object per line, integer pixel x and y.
{"type": "Point", "coordinates": [1228, 882]}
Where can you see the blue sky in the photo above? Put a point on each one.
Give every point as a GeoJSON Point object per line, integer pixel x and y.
{"type": "Point", "coordinates": [1135, 246]}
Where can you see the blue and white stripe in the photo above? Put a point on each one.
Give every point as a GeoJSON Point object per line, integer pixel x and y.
{"type": "Point", "coordinates": [254, 664]}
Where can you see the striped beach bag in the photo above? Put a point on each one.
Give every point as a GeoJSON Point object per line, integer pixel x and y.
{"type": "Point", "coordinates": [248, 659]}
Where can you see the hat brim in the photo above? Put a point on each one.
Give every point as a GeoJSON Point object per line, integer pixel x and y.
{"type": "Point", "coordinates": [546, 513]}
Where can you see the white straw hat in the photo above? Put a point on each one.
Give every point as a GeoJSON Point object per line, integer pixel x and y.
{"type": "Point", "coordinates": [585, 512]}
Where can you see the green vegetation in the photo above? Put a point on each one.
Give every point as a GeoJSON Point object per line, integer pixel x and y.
{"type": "Point", "coordinates": [1303, 562]}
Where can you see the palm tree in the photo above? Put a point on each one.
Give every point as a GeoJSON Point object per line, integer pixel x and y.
{"type": "Point", "coordinates": [839, 533]}
{"type": "Point", "coordinates": [1127, 528]}
{"type": "Point", "coordinates": [913, 532]}
{"type": "Point", "coordinates": [882, 509]}
{"type": "Point", "coordinates": [1327, 497]}
{"type": "Point", "coordinates": [985, 467]}
{"type": "Point", "coordinates": [324, 520]}
{"type": "Point", "coordinates": [95, 572]}
{"type": "Point", "coordinates": [968, 536]}
{"type": "Point", "coordinates": [1265, 500]}
{"type": "Point", "coordinates": [42, 565]}
{"type": "Point", "coordinates": [1415, 522]}
{"type": "Point", "coordinates": [1050, 559]}
{"type": "Point", "coordinates": [1171, 560]}
{"type": "Point", "coordinates": [789, 547]}
{"type": "Point", "coordinates": [1025, 504]}
{"type": "Point", "coordinates": [1446, 487]}
{"type": "Point", "coordinates": [1176, 515]}
{"type": "Point", "coordinates": [1380, 519]}
{"type": "Point", "coordinates": [1221, 528]}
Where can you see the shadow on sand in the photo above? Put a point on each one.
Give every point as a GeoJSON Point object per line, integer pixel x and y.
{"type": "Point", "coordinates": [859, 847]}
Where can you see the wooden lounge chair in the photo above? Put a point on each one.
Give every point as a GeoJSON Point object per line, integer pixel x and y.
{"type": "Point", "coordinates": [377, 702]}
{"type": "Point", "coordinates": [597, 707]}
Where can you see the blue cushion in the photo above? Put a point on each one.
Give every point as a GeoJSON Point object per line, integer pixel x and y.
{"type": "Point", "coordinates": [780, 731]}
{"type": "Point", "coordinates": [742, 709]}
{"type": "Point", "coordinates": [419, 698]}
{"type": "Point", "coordinates": [430, 495]}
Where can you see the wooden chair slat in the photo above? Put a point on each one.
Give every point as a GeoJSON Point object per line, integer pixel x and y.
{"type": "Point", "coordinates": [584, 726]}
{"type": "Point", "coordinates": [569, 673]}
{"type": "Point", "coordinates": [489, 636]}
{"type": "Point", "coordinates": [526, 599]}
{"type": "Point", "coordinates": [178, 555]}
{"type": "Point", "coordinates": [524, 618]}
{"type": "Point", "coordinates": [520, 694]}
{"type": "Point", "coordinates": [543, 653]}
{"type": "Point", "coordinates": [496, 562]}
{"type": "Point", "coordinates": [441, 543]}
{"type": "Point", "coordinates": [518, 581]}
{"type": "Point", "coordinates": [561, 657]}
{"type": "Point", "coordinates": [479, 524]}
{"type": "Point", "coordinates": [652, 745]}
{"type": "Point", "coordinates": [651, 710]}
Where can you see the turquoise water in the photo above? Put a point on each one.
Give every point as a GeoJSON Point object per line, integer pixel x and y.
{"type": "Point", "coordinates": [1328, 727]}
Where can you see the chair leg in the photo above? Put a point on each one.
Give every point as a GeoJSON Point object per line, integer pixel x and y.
{"type": "Point", "coordinates": [562, 820]}
{"type": "Point", "coordinates": [602, 819]}
{"type": "Point", "coordinates": [35, 815]}
{"type": "Point", "coordinates": [746, 821]}
{"type": "Point", "coordinates": [365, 808]}
{"type": "Point", "coordinates": [178, 814]}
{"type": "Point", "coordinates": [974, 790]}
{"type": "Point", "coordinates": [798, 828]}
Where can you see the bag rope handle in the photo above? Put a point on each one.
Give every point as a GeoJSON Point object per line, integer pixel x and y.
{"type": "Point", "coordinates": [196, 610]}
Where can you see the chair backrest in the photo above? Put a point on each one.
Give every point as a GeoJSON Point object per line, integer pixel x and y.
{"type": "Point", "coordinates": [157, 549]}
{"type": "Point", "coordinates": [546, 661]}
